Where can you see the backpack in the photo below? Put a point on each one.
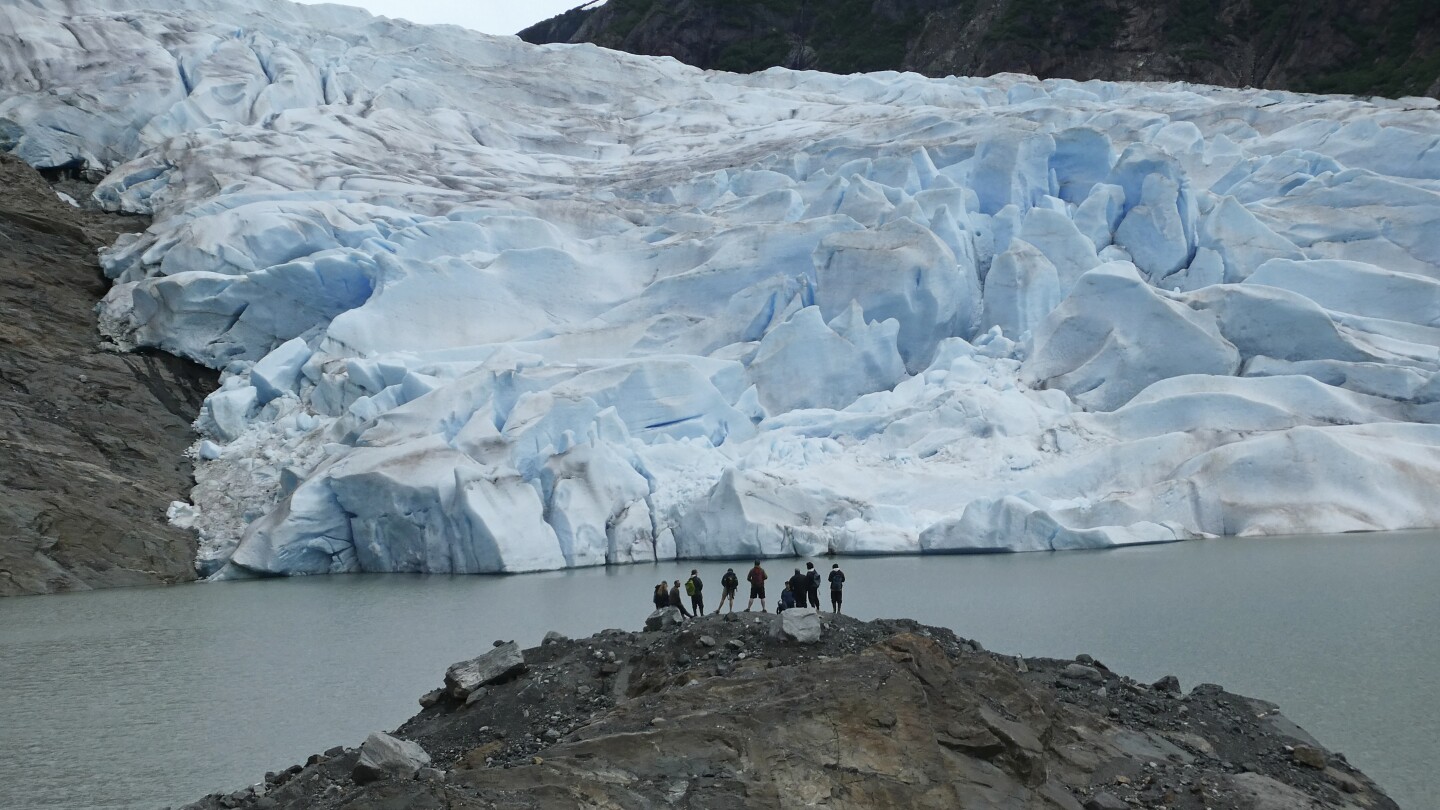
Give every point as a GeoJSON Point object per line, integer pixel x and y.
{"type": "Point", "coordinates": [730, 580]}
{"type": "Point", "coordinates": [690, 587]}
{"type": "Point", "coordinates": [814, 578]}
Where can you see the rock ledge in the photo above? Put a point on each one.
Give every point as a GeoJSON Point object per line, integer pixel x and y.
{"type": "Point", "coordinates": [727, 712]}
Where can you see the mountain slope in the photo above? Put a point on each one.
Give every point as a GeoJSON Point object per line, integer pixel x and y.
{"type": "Point", "coordinates": [91, 441]}
{"type": "Point", "coordinates": [1389, 47]}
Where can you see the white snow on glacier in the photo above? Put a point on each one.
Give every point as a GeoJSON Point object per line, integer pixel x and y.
{"type": "Point", "coordinates": [484, 306]}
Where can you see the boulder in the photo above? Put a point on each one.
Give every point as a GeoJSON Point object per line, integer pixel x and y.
{"type": "Point", "coordinates": [798, 625]}
{"type": "Point", "coordinates": [1080, 672]}
{"type": "Point", "coordinates": [553, 637]}
{"type": "Point", "coordinates": [663, 619]}
{"type": "Point", "coordinates": [497, 665]}
{"type": "Point", "coordinates": [384, 756]}
{"type": "Point", "coordinates": [1169, 684]}
{"type": "Point", "coordinates": [1309, 755]}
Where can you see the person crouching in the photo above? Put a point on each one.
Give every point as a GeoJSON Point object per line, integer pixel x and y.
{"type": "Point", "coordinates": [787, 599]}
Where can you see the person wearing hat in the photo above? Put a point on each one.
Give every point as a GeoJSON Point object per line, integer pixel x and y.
{"type": "Point", "coordinates": [694, 586]}
{"type": "Point", "coordinates": [837, 584]}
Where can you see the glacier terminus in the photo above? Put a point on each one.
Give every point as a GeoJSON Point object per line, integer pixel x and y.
{"type": "Point", "coordinates": [482, 306]}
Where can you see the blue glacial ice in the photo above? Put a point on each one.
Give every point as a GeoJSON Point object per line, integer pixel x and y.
{"type": "Point", "coordinates": [483, 306]}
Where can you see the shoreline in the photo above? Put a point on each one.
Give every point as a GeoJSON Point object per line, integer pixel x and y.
{"type": "Point", "coordinates": [729, 711]}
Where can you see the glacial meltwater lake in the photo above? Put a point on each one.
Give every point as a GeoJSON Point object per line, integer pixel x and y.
{"type": "Point", "coordinates": [148, 697]}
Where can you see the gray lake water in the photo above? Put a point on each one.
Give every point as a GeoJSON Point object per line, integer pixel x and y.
{"type": "Point", "coordinates": [148, 697]}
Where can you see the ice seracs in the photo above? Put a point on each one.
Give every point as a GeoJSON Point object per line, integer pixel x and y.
{"type": "Point", "coordinates": [484, 306]}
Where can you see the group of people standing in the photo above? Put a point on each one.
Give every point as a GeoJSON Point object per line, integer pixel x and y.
{"type": "Point", "coordinates": [801, 590]}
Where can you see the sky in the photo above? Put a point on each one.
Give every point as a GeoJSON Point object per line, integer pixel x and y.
{"type": "Point", "coordinates": [490, 16]}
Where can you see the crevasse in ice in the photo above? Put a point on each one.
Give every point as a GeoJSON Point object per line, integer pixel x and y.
{"type": "Point", "coordinates": [484, 306]}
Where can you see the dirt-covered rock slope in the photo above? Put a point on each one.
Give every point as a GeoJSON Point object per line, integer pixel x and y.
{"type": "Point", "coordinates": [91, 441]}
{"type": "Point", "coordinates": [728, 712]}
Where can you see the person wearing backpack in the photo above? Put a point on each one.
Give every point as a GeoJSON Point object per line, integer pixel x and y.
{"type": "Point", "coordinates": [694, 587]}
{"type": "Point", "coordinates": [729, 583]}
{"type": "Point", "coordinates": [662, 596]}
{"type": "Point", "coordinates": [812, 585]}
{"type": "Point", "coordinates": [837, 583]}
{"type": "Point", "coordinates": [756, 578]}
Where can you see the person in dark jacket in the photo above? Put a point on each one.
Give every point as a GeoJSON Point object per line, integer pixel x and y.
{"type": "Point", "coordinates": [797, 587]}
{"type": "Point", "coordinates": [812, 586]}
{"type": "Point", "coordinates": [729, 583]}
{"type": "Point", "coordinates": [675, 600]}
{"type": "Point", "coordinates": [837, 583]}
{"type": "Point", "coordinates": [694, 586]}
{"type": "Point", "coordinates": [756, 578]}
{"type": "Point", "coordinates": [662, 596]}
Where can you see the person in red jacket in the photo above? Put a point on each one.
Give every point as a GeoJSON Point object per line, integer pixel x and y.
{"type": "Point", "coordinates": [756, 578]}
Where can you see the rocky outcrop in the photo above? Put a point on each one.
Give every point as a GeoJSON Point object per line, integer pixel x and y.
{"type": "Point", "coordinates": [383, 756]}
{"type": "Point", "coordinates": [92, 441]}
{"type": "Point", "coordinates": [503, 662]}
{"type": "Point", "coordinates": [664, 619]}
{"type": "Point", "coordinates": [1388, 47]}
{"type": "Point", "coordinates": [799, 625]}
{"type": "Point", "coordinates": [720, 712]}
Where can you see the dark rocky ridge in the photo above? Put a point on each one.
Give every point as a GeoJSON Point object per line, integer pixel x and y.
{"type": "Point", "coordinates": [1387, 47]}
{"type": "Point", "coordinates": [91, 441]}
{"type": "Point", "coordinates": [719, 713]}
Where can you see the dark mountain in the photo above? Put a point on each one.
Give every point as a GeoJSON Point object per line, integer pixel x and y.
{"type": "Point", "coordinates": [92, 440]}
{"type": "Point", "coordinates": [1385, 47]}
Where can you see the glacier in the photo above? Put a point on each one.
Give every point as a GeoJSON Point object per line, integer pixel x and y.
{"type": "Point", "coordinates": [482, 306]}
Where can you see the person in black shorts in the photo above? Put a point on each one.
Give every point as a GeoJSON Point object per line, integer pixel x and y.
{"type": "Point", "coordinates": [756, 578]}
{"type": "Point", "coordinates": [837, 583]}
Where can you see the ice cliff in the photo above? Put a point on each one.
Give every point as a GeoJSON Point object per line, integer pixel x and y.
{"type": "Point", "coordinates": [485, 306]}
